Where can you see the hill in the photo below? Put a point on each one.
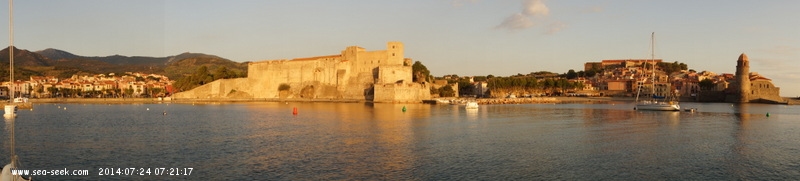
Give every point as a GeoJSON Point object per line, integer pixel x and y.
{"type": "Point", "coordinates": [187, 63]}
{"type": "Point", "coordinates": [63, 64]}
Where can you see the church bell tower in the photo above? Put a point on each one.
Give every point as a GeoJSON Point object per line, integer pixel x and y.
{"type": "Point", "coordinates": [743, 78]}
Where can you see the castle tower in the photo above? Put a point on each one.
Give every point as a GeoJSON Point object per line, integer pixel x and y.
{"type": "Point", "coordinates": [743, 78]}
{"type": "Point", "coordinates": [395, 53]}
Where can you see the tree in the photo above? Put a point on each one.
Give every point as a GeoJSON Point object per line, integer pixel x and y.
{"type": "Point", "coordinates": [150, 77]}
{"type": "Point", "coordinates": [706, 84]}
{"type": "Point", "coordinates": [129, 91]}
{"type": "Point", "coordinates": [29, 89]}
{"type": "Point", "coordinates": [446, 91]}
{"type": "Point", "coordinates": [39, 90]}
{"type": "Point", "coordinates": [222, 73]}
{"type": "Point", "coordinates": [571, 74]}
{"type": "Point", "coordinates": [464, 87]}
{"type": "Point", "coordinates": [434, 91]}
{"type": "Point", "coordinates": [156, 91]}
{"type": "Point", "coordinates": [202, 75]}
{"type": "Point", "coordinates": [591, 72]}
{"type": "Point", "coordinates": [284, 87]}
{"type": "Point", "coordinates": [420, 72]}
{"type": "Point", "coordinates": [53, 91]}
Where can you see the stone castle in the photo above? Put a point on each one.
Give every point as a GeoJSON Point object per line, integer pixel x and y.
{"type": "Point", "coordinates": [750, 86]}
{"type": "Point", "coordinates": [355, 74]}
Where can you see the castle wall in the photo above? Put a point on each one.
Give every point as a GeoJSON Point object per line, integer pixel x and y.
{"type": "Point", "coordinates": [394, 73]}
{"type": "Point", "coordinates": [399, 93]}
{"type": "Point", "coordinates": [267, 76]}
{"type": "Point", "coordinates": [764, 91]}
{"type": "Point", "coordinates": [351, 75]}
{"type": "Point", "coordinates": [223, 88]}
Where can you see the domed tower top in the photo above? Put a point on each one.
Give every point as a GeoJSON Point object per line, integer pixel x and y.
{"type": "Point", "coordinates": [743, 62]}
{"type": "Point", "coordinates": [743, 57]}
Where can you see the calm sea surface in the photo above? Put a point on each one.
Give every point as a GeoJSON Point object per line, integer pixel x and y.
{"type": "Point", "coordinates": [357, 141]}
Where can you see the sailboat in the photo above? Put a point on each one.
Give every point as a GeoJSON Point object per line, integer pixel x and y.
{"type": "Point", "coordinates": [10, 108]}
{"type": "Point", "coordinates": [9, 170]}
{"type": "Point", "coordinates": [654, 103]}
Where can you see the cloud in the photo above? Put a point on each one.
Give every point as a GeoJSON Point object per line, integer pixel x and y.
{"type": "Point", "coordinates": [533, 13]}
{"type": "Point", "coordinates": [517, 21]}
{"type": "Point", "coordinates": [534, 8]}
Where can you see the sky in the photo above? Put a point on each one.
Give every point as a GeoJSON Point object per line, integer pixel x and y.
{"type": "Point", "coordinates": [462, 37]}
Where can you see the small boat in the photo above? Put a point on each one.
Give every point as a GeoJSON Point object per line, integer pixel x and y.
{"type": "Point", "coordinates": [471, 105]}
{"type": "Point", "coordinates": [442, 101]}
{"type": "Point", "coordinates": [21, 100]}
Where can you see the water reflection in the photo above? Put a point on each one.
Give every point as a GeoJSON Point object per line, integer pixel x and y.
{"type": "Point", "coordinates": [340, 139]}
{"type": "Point", "coordinates": [742, 112]}
{"type": "Point", "coordinates": [593, 116]}
{"type": "Point", "coordinates": [472, 114]}
{"type": "Point", "coordinates": [357, 141]}
{"type": "Point", "coordinates": [6, 140]}
{"type": "Point", "coordinates": [674, 119]}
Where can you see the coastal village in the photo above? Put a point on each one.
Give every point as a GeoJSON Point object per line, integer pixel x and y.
{"type": "Point", "coordinates": [625, 78]}
{"type": "Point", "coordinates": [387, 76]}
{"type": "Point", "coordinates": [129, 85]}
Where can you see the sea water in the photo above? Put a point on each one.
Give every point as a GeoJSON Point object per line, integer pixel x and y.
{"type": "Point", "coordinates": [362, 141]}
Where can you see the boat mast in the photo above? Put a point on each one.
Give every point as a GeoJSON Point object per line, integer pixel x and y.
{"type": "Point", "coordinates": [11, 48]}
{"type": "Point", "coordinates": [653, 61]}
{"type": "Point", "coordinates": [11, 68]}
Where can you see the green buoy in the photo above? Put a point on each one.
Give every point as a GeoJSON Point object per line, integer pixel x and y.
{"type": "Point", "coordinates": [767, 114]}
{"type": "Point", "coordinates": [404, 108]}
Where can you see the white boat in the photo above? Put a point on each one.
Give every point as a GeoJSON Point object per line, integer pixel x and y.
{"type": "Point", "coordinates": [442, 101]}
{"type": "Point", "coordinates": [21, 100]}
{"type": "Point", "coordinates": [10, 111]}
{"type": "Point", "coordinates": [658, 106]}
{"type": "Point", "coordinates": [654, 104]}
{"type": "Point", "coordinates": [471, 105]}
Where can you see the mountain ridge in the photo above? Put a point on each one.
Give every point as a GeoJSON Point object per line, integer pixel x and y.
{"type": "Point", "coordinates": [62, 64]}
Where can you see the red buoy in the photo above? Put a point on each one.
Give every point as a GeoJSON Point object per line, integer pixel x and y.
{"type": "Point", "coordinates": [294, 111]}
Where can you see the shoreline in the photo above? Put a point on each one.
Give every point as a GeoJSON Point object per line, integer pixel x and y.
{"type": "Point", "coordinates": [542, 100]}
{"type": "Point", "coordinates": [534, 100]}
